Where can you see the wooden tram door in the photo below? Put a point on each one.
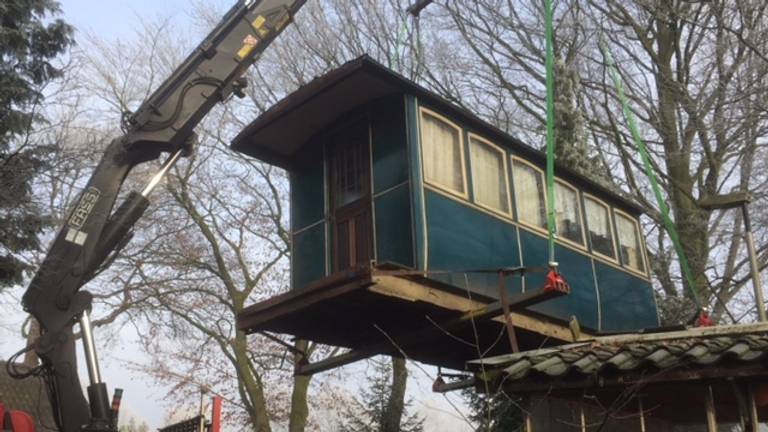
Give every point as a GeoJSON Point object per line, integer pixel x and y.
{"type": "Point", "coordinates": [350, 195]}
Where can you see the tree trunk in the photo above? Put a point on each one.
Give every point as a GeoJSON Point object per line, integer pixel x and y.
{"type": "Point", "coordinates": [30, 357]}
{"type": "Point", "coordinates": [251, 385]}
{"type": "Point", "coordinates": [393, 412]}
{"type": "Point", "coordinates": [299, 406]}
{"type": "Point", "coordinates": [690, 221]}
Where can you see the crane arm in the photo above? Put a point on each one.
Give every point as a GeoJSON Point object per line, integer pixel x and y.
{"type": "Point", "coordinates": [164, 123]}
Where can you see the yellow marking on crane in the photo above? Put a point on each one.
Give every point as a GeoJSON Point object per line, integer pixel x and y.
{"type": "Point", "coordinates": [249, 43]}
{"type": "Point", "coordinates": [258, 24]}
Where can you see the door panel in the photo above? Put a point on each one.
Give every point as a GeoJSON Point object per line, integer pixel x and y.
{"type": "Point", "coordinates": [363, 242]}
{"type": "Point", "coordinates": [350, 195]}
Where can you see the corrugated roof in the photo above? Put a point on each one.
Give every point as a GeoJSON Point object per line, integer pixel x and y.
{"type": "Point", "coordinates": [694, 349]}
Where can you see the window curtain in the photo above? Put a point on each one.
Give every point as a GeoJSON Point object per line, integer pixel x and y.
{"type": "Point", "coordinates": [488, 177]}
{"type": "Point", "coordinates": [567, 213]}
{"type": "Point", "coordinates": [442, 154]}
{"type": "Point", "coordinates": [529, 193]}
{"type": "Point", "coordinates": [599, 228]}
{"type": "Point", "coordinates": [629, 243]}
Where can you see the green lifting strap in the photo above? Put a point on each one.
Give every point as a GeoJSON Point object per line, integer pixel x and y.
{"type": "Point", "coordinates": [551, 227]}
{"type": "Point", "coordinates": [640, 146]}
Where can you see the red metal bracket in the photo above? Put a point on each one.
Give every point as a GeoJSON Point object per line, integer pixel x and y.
{"type": "Point", "coordinates": [16, 421]}
{"type": "Point", "coordinates": [703, 320]}
{"type": "Point", "coordinates": [554, 282]}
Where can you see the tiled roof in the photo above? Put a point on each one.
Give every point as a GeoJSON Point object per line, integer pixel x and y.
{"type": "Point", "coordinates": [27, 395]}
{"type": "Point", "coordinates": [699, 348]}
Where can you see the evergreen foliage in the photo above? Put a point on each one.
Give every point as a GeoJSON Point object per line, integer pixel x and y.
{"type": "Point", "coordinates": [134, 426]}
{"type": "Point", "coordinates": [494, 413]}
{"type": "Point", "coordinates": [29, 40]}
{"type": "Point", "coordinates": [372, 412]}
{"type": "Point", "coordinates": [571, 147]}
{"type": "Point", "coordinates": [570, 139]}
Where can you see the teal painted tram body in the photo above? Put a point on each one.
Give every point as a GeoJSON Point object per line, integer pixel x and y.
{"type": "Point", "coordinates": [384, 172]}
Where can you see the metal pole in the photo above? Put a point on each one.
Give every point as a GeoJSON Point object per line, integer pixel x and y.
{"type": "Point", "coordinates": [203, 391]}
{"type": "Point", "coordinates": [455, 385]}
{"type": "Point", "coordinates": [761, 315]}
{"type": "Point", "coordinates": [164, 168]}
{"type": "Point", "coordinates": [90, 348]}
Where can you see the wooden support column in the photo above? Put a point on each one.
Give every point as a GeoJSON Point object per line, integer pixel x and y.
{"type": "Point", "coordinates": [709, 404]}
{"type": "Point", "coordinates": [504, 296]}
{"type": "Point", "coordinates": [527, 419]}
{"type": "Point", "coordinates": [752, 407]}
{"type": "Point", "coordinates": [394, 344]}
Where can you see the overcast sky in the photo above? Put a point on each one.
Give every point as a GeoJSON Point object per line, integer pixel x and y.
{"type": "Point", "coordinates": [116, 19]}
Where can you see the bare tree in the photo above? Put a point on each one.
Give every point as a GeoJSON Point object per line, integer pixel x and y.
{"type": "Point", "coordinates": [695, 81]}
{"type": "Point", "coordinates": [216, 238]}
{"type": "Point", "coordinates": [213, 241]}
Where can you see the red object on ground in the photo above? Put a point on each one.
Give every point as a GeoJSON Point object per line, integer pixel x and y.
{"type": "Point", "coordinates": [704, 320]}
{"type": "Point", "coordinates": [554, 282]}
{"type": "Point", "coordinates": [216, 414]}
{"type": "Point", "coordinates": [15, 421]}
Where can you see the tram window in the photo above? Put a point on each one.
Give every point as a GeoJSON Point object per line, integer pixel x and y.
{"type": "Point", "coordinates": [529, 194]}
{"type": "Point", "coordinates": [600, 232]}
{"type": "Point", "coordinates": [443, 153]}
{"type": "Point", "coordinates": [489, 175]}
{"type": "Point", "coordinates": [629, 242]}
{"type": "Point", "coordinates": [568, 213]}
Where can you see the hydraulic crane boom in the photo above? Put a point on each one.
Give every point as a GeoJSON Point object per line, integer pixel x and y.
{"type": "Point", "coordinates": [164, 123]}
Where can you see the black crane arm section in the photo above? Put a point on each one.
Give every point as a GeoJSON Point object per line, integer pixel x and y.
{"type": "Point", "coordinates": [164, 123]}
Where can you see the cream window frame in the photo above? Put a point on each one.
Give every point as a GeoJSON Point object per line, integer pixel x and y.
{"type": "Point", "coordinates": [463, 193]}
{"type": "Point", "coordinates": [583, 244]}
{"type": "Point", "coordinates": [543, 229]}
{"type": "Point", "coordinates": [641, 245]}
{"type": "Point", "coordinates": [505, 167]}
{"type": "Point", "coordinates": [611, 228]}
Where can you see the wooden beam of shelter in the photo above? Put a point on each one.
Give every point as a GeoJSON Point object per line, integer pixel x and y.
{"type": "Point", "coordinates": [395, 344]}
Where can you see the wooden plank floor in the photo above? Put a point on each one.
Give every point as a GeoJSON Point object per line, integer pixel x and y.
{"type": "Point", "coordinates": [362, 307]}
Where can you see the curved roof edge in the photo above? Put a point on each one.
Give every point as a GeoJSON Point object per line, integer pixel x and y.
{"type": "Point", "coordinates": [277, 134]}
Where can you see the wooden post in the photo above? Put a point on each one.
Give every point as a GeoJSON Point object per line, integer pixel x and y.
{"type": "Point", "coordinates": [752, 407]}
{"type": "Point", "coordinates": [527, 420]}
{"type": "Point", "coordinates": [203, 390]}
{"type": "Point", "coordinates": [507, 313]}
{"type": "Point", "coordinates": [30, 357]}
{"type": "Point", "coordinates": [753, 265]}
{"type": "Point", "coordinates": [709, 404]}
